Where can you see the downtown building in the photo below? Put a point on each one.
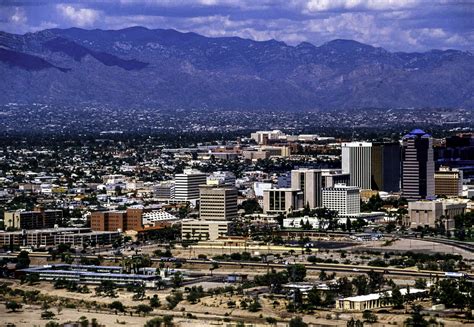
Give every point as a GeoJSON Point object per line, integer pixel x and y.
{"type": "Point", "coordinates": [130, 219]}
{"type": "Point", "coordinates": [448, 182]}
{"type": "Point", "coordinates": [343, 199]}
{"type": "Point", "coordinates": [386, 166]}
{"type": "Point", "coordinates": [187, 185]}
{"type": "Point", "coordinates": [217, 212]}
{"type": "Point", "coordinates": [357, 161]}
{"type": "Point", "coordinates": [282, 200]}
{"type": "Point", "coordinates": [36, 219]}
{"type": "Point", "coordinates": [309, 181]}
{"type": "Point", "coordinates": [417, 166]}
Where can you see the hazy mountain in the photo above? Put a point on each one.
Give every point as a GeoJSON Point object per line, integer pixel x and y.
{"type": "Point", "coordinates": [168, 69]}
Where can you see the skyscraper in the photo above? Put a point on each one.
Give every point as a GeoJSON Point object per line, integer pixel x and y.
{"type": "Point", "coordinates": [309, 181]}
{"type": "Point", "coordinates": [417, 166]}
{"type": "Point", "coordinates": [218, 203]}
{"type": "Point", "coordinates": [357, 161]}
{"type": "Point", "coordinates": [386, 166]}
{"type": "Point", "coordinates": [187, 185]}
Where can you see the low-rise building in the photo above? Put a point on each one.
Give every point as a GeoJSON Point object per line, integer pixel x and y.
{"type": "Point", "coordinates": [53, 236]}
{"type": "Point", "coordinates": [204, 230]}
{"type": "Point", "coordinates": [36, 219]}
{"type": "Point", "coordinates": [374, 300]}
{"type": "Point", "coordinates": [430, 213]}
{"type": "Point", "coordinates": [282, 200]}
{"type": "Point", "coordinates": [92, 275]}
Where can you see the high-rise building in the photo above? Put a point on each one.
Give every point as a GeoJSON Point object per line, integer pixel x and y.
{"type": "Point", "coordinates": [282, 200]}
{"type": "Point", "coordinates": [417, 166]}
{"type": "Point", "coordinates": [342, 198]}
{"type": "Point", "coordinates": [218, 203]}
{"type": "Point", "coordinates": [357, 161]}
{"type": "Point", "coordinates": [187, 185]}
{"type": "Point", "coordinates": [309, 181]}
{"type": "Point", "coordinates": [448, 182]}
{"type": "Point", "coordinates": [332, 177]}
{"type": "Point", "coordinates": [386, 166]}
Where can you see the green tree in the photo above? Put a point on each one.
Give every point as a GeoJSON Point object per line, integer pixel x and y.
{"type": "Point", "coordinates": [143, 308]}
{"type": "Point", "coordinates": [297, 322]}
{"type": "Point", "coordinates": [361, 284]}
{"type": "Point", "coordinates": [296, 273]}
{"type": "Point", "coordinates": [13, 306]}
{"type": "Point", "coordinates": [23, 260]}
{"type": "Point", "coordinates": [416, 319]}
{"type": "Point", "coordinates": [155, 322]}
{"type": "Point", "coordinates": [254, 306]}
{"type": "Point", "coordinates": [369, 316]}
{"type": "Point", "coordinates": [397, 298]}
{"type": "Point", "coordinates": [47, 315]}
{"type": "Point", "coordinates": [155, 301]}
{"type": "Point", "coordinates": [168, 321]}
{"type": "Point", "coordinates": [117, 306]}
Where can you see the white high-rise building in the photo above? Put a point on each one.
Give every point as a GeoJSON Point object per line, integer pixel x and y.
{"type": "Point", "coordinates": [309, 181]}
{"type": "Point", "coordinates": [342, 198]}
{"type": "Point", "coordinates": [357, 161]}
{"type": "Point", "coordinates": [187, 185]}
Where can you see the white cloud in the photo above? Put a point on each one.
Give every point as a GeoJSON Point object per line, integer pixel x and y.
{"type": "Point", "coordinates": [19, 16]}
{"type": "Point", "coordinates": [327, 5]}
{"type": "Point", "coordinates": [79, 16]}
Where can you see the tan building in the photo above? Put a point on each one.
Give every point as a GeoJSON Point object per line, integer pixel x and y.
{"type": "Point", "coordinates": [309, 181]}
{"type": "Point", "coordinates": [36, 219]}
{"type": "Point", "coordinates": [204, 230]}
{"type": "Point", "coordinates": [429, 213]}
{"type": "Point", "coordinates": [282, 200]}
{"type": "Point", "coordinates": [448, 182]}
{"type": "Point", "coordinates": [218, 203]}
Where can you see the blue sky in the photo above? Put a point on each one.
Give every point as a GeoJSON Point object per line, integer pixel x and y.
{"type": "Point", "coordinates": [397, 25]}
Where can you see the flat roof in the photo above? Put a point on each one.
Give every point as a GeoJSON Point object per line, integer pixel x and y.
{"type": "Point", "coordinates": [376, 296]}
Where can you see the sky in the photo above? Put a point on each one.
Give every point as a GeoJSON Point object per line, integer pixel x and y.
{"type": "Point", "coordinates": [396, 25]}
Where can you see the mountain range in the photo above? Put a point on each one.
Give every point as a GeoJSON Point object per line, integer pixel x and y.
{"type": "Point", "coordinates": [167, 69]}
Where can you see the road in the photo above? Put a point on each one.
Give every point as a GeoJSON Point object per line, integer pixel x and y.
{"type": "Point", "coordinates": [342, 268]}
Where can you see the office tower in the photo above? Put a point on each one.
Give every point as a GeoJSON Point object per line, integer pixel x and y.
{"type": "Point", "coordinates": [417, 166]}
{"type": "Point", "coordinates": [331, 177]}
{"type": "Point", "coordinates": [342, 198]}
{"type": "Point", "coordinates": [282, 200]}
{"type": "Point", "coordinates": [448, 182]}
{"type": "Point", "coordinates": [386, 166]}
{"type": "Point", "coordinates": [187, 185]}
{"type": "Point", "coordinates": [218, 203]}
{"type": "Point", "coordinates": [357, 161]}
{"type": "Point", "coordinates": [309, 181]}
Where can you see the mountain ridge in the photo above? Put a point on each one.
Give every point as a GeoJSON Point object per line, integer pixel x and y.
{"type": "Point", "coordinates": [165, 68]}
